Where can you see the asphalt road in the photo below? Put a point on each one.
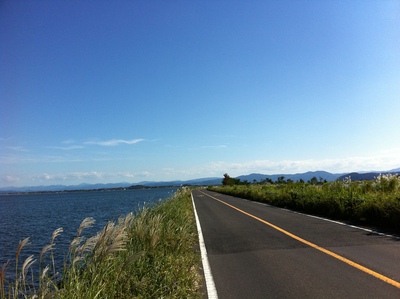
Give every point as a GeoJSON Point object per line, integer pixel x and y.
{"type": "Point", "coordinates": [275, 253]}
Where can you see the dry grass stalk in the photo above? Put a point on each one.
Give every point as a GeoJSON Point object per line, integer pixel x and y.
{"type": "Point", "coordinates": [75, 242]}
{"type": "Point", "coordinates": [77, 259]}
{"type": "Point", "coordinates": [2, 279]}
{"type": "Point", "coordinates": [118, 241]}
{"type": "Point", "coordinates": [87, 246]}
{"type": "Point", "coordinates": [21, 245]}
{"type": "Point", "coordinates": [26, 265]}
{"type": "Point", "coordinates": [44, 273]}
{"type": "Point", "coordinates": [87, 222]}
{"type": "Point", "coordinates": [111, 239]}
{"type": "Point", "coordinates": [55, 234]}
{"type": "Point", "coordinates": [46, 248]}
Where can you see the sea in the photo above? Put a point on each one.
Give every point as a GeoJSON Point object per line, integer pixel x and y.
{"type": "Point", "coordinates": [36, 216]}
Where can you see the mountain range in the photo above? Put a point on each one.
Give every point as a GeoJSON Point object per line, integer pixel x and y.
{"type": "Point", "coordinates": [320, 175]}
{"type": "Point", "coordinates": [324, 175]}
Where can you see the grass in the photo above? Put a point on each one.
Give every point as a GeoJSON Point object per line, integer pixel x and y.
{"type": "Point", "coordinates": [152, 254]}
{"type": "Point", "coordinates": [372, 203]}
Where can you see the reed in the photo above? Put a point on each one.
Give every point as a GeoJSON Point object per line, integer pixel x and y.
{"type": "Point", "coordinates": [150, 254]}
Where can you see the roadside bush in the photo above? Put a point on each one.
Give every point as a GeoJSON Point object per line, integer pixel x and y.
{"type": "Point", "coordinates": [374, 203]}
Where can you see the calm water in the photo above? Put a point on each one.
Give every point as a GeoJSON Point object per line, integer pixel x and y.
{"type": "Point", "coordinates": [38, 215]}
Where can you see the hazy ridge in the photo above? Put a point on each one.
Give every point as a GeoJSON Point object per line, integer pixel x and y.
{"type": "Point", "coordinates": [320, 175]}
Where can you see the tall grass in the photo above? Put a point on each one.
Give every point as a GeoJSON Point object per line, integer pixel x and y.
{"type": "Point", "coordinates": [152, 254]}
{"type": "Point", "coordinates": [375, 203]}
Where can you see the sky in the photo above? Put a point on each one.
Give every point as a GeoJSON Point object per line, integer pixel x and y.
{"type": "Point", "coordinates": [131, 91]}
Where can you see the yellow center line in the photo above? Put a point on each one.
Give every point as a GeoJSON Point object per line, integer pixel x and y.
{"type": "Point", "coordinates": [326, 251]}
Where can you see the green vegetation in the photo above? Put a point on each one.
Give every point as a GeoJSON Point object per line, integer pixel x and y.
{"type": "Point", "coordinates": [152, 254]}
{"type": "Point", "coordinates": [375, 203]}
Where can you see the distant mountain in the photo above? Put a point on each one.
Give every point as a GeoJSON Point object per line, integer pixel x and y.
{"type": "Point", "coordinates": [355, 176]}
{"type": "Point", "coordinates": [295, 177]}
{"type": "Point", "coordinates": [63, 187]}
{"type": "Point", "coordinates": [195, 182]}
{"type": "Point", "coordinates": [320, 175]}
{"type": "Point", "coordinates": [52, 188]}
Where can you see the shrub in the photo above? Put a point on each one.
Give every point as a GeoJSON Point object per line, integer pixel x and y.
{"type": "Point", "coordinates": [371, 202]}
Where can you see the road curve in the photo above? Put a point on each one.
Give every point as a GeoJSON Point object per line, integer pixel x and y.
{"type": "Point", "coordinates": [259, 251]}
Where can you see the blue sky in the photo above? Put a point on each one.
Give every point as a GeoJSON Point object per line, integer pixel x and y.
{"type": "Point", "coordinates": [128, 91]}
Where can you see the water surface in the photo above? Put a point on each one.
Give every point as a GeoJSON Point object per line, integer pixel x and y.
{"type": "Point", "coordinates": [38, 215]}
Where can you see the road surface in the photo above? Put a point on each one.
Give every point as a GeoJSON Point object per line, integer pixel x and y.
{"type": "Point", "coordinates": [259, 251]}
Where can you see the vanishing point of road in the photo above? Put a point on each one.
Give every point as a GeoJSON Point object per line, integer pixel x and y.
{"type": "Point", "coordinates": [258, 251]}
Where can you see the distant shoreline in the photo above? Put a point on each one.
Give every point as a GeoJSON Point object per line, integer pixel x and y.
{"type": "Point", "coordinates": [134, 187]}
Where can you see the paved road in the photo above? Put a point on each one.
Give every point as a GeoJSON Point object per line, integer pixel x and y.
{"type": "Point", "coordinates": [275, 253]}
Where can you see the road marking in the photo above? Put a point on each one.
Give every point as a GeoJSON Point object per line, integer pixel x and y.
{"type": "Point", "coordinates": [326, 251]}
{"type": "Point", "coordinates": [332, 221]}
{"type": "Point", "coordinates": [210, 285]}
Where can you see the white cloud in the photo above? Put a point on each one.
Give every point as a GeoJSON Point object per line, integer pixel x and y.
{"type": "Point", "coordinates": [9, 179]}
{"type": "Point", "coordinates": [343, 165]}
{"type": "Point", "coordinates": [214, 146]}
{"type": "Point", "coordinates": [114, 142]}
{"type": "Point", "coordinates": [69, 141]}
{"type": "Point", "coordinates": [67, 148]}
{"type": "Point", "coordinates": [382, 161]}
{"type": "Point", "coordinates": [81, 175]}
{"type": "Point", "coordinates": [84, 177]}
{"type": "Point", "coordinates": [18, 148]}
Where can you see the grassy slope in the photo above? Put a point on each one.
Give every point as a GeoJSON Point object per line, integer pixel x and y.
{"type": "Point", "coordinates": [149, 255]}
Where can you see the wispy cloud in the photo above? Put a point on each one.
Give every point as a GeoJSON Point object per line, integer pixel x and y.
{"type": "Point", "coordinates": [381, 161]}
{"type": "Point", "coordinates": [70, 144]}
{"type": "Point", "coordinates": [85, 176]}
{"type": "Point", "coordinates": [67, 148]}
{"type": "Point", "coordinates": [18, 148]}
{"type": "Point", "coordinates": [214, 146]}
{"type": "Point", "coordinates": [62, 177]}
{"type": "Point", "coordinates": [9, 179]}
{"type": "Point", "coordinates": [114, 142]}
{"type": "Point", "coordinates": [69, 141]}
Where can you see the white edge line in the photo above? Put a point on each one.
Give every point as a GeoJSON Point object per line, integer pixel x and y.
{"type": "Point", "coordinates": [333, 221]}
{"type": "Point", "coordinates": [210, 285]}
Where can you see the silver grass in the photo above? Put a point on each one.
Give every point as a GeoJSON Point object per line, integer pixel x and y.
{"type": "Point", "coordinates": [103, 239]}
{"type": "Point", "coordinates": [77, 259]}
{"type": "Point", "coordinates": [111, 239]}
{"type": "Point", "coordinates": [44, 250]}
{"type": "Point", "coordinates": [87, 222]}
{"type": "Point", "coordinates": [44, 273]}
{"type": "Point", "coordinates": [88, 245]}
{"type": "Point", "coordinates": [75, 242]}
{"type": "Point", "coordinates": [118, 242]}
{"type": "Point", "coordinates": [126, 221]}
{"type": "Point", "coordinates": [21, 245]}
{"type": "Point", "coordinates": [26, 265]}
{"type": "Point", "coordinates": [56, 233]}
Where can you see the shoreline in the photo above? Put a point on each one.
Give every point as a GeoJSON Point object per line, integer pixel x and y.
{"type": "Point", "coordinates": [134, 187]}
